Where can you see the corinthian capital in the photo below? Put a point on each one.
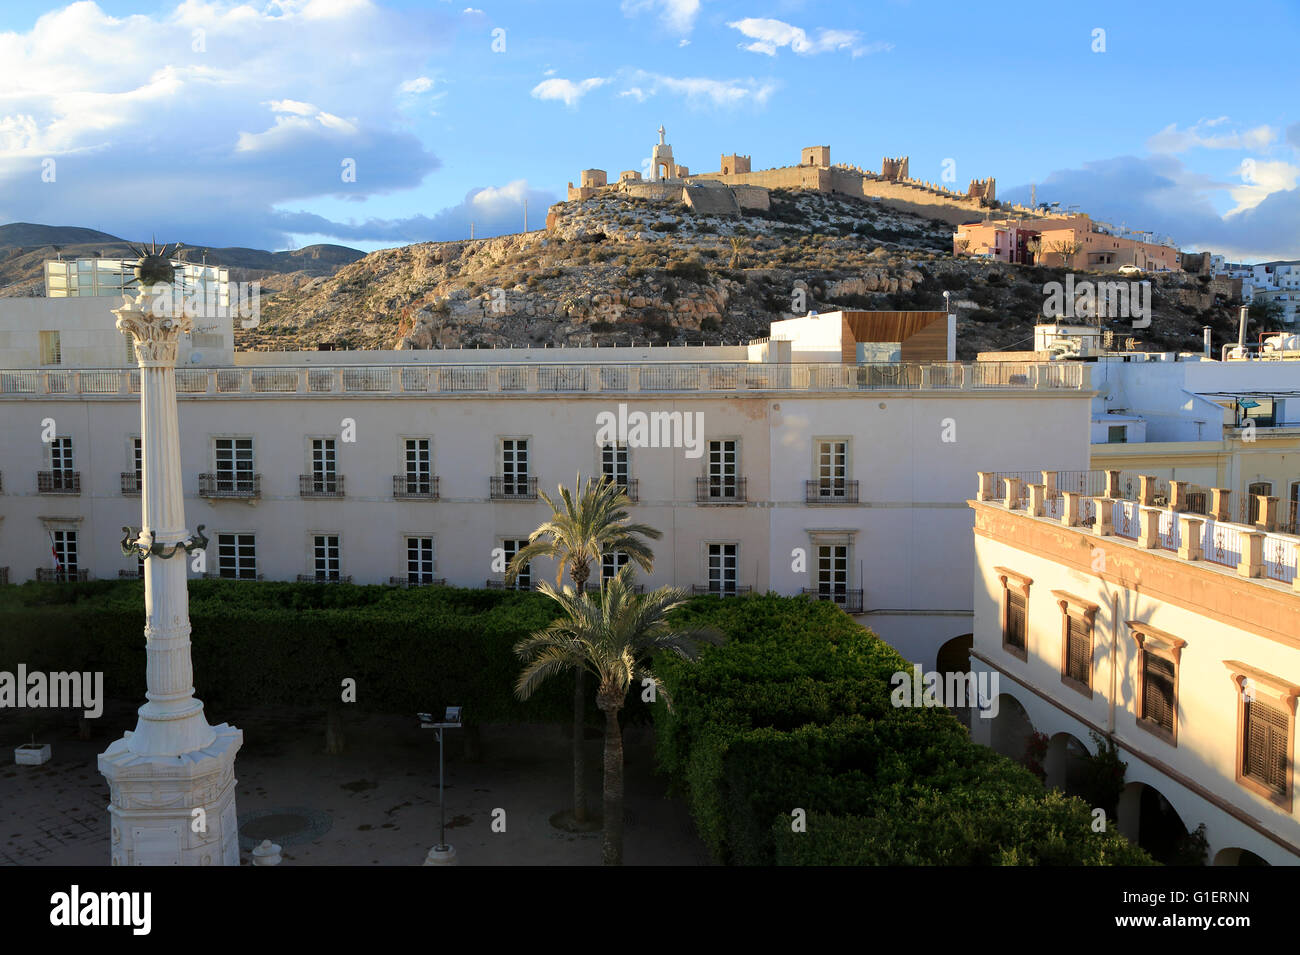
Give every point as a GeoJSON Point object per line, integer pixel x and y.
{"type": "Point", "coordinates": [155, 334]}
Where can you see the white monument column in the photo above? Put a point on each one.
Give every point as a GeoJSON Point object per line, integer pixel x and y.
{"type": "Point", "coordinates": [172, 780]}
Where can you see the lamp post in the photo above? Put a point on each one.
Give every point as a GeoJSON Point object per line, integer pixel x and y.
{"type": "Point", "coordinates": [172, 780]}
{"type": "Point", "coordinates": [441, 854]}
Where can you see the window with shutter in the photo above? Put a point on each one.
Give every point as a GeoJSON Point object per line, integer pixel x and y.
{"type": "Point", "coordinates": [1078, 651]}
{"type": "Point", "coordinates": [1158, 691]}
{"type": "Point", "coordinates": [1014, 635]}
{"type": "Point", "coordinates": [1264, 747]}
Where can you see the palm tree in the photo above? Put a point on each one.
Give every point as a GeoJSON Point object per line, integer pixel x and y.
{"type": "Point", "coordinates": [738, 246]}
{"type": "Point", "coordinates": [580, 532]}
{"type": "Point", "coordinates": [613, 638]}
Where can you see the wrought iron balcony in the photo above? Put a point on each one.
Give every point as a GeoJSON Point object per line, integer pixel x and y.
{"type": "Point", "coordinates": [320, 485]}
{"type": "Point", "coordinates": [135, 573]}
{"type": "Point", "coordinates": [58, 482]}
{"type": "Point", "coordinates": [632, 488]}
{"type": "Point", "coordinates": [61, 576]}
{"type": "Point", "coordinates": [420, 581]}
{"type": "Point", "coordinates": [832, 491]}
{"type": "Point", "coordinates": [720, 490]}
{"type": "Point", "coordinates": [131, 483]}
{"type": "Point", "coordinates": [850, 601]}
{"type": "Point", "coordinates": [510, 488]}
{"type": "Point", "coordinates": [245, 487]}
{"type": "Point", "coordinates": [593, 587]}
{"type": "Point", "coordinates": [324, 579]}
{"type": "Point", "coordinates": [419, 488]}
{"type": "Point", "coordinates": [498, 584]}
{"type": "Point", "coordinates": [4, 576]}
{"type": "Point", "coordinates": [720, 590]}
{"type": "Point", "coordinates": [232, 576]}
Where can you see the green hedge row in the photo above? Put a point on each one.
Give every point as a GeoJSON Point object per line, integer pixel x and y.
{"type": "Point", "coordinates": [793, 713]}
{"type": "Point", "coordinates": [282, 643]}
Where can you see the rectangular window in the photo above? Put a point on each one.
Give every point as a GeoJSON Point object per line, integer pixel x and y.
{"type": "Point", "coordinates": [234, 462]}
{"type": "Point", "coordinates": [324, 466]}
{"type": "Point", "coordinates": [722, 568]}
{"type": "Point", "coordinates": [61, 458]}
{"type": "Point", "coordinates": [723, 469]}
{"type": "Point", "coordinates": [237, 556]}
{"type": "Point", "coordinates": [419, 560]}
{"type": "Point", "coordinates": [1117, 434]}
{"type": "Point", "coordinates": [514, 466]}
{"type": "Point", "coordinates": [525, 579]}
{"type": "Point", "coordinates": [419, 466]}
{"type": "Point", "coordinates": [1158, 682]}
{"type": "Point", "coordinates": [611, 562]}
{"type": "Point", "coordinates": [832, 468]}
{"type": "Point", "coordinates": [1015, 630]}
{"type": "Point", "coordinates": [832, 570]}
{"type": "Point", "coordinates": [1264, 746]}
{"type": "Point", "coordinates": [1253, 493]}
{"type": "Point", "coordinates": [1078, 650]}
{"type": "Point", "coordinates": [65, 553]}
{"type": "Point", "coordinates": [137, 458]}
{"type": "Point", "coordinates": [614, 463]}
{"type": "Point", "coordinates": [51, 351]}
{"type": "Point", "coordinates": [325, 549]}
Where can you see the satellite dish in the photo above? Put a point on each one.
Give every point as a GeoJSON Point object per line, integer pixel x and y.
{"type": "Point", "coordinates": [196, 357]}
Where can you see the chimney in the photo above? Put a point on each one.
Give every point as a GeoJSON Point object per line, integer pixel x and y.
{"type": "Point", "coordinates": [1206, 335]}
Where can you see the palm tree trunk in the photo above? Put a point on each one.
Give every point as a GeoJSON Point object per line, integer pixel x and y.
{"type": "Point", "coordinates": [612, 850]}
{"type": "Point", "coordinates": [579, 752]}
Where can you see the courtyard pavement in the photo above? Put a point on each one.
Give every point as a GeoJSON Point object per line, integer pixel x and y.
{"type": "Point", "coordinates": [374, 804]}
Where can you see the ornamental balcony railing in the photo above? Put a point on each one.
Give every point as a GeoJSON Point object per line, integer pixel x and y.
{"type": "Point", "coordinates": [132, 573]}
{"type": "Point", "coordinates": [4, 576]}
{"type": "Point", "coordinates": [409, 487]}
{"type": "Point", "coordinates": [324, 579]}
{"type": "Point", "coordinates": [498, 584]}
{"type": "Point", "coordinates": [61, 575]}
{"type": "Point", "coordinates": [58, 482]}
{"type": "Point", "coordinates": [131, 483]}
{"type": "Point", "coordinates": [233, 575]}
{"type": "Point", "coordinates": [218, 486]}
{"type": "Point", "coordinates": [831, 491]}
{"type": "Point", "coordinates": [417, 580]}
{"type": "Point", "coordinates": [720, 489]}
{"type": "Point", "coordinates": [631, 487]}
{"type": "Point", "coordinates": [446, 377]}
{"type": "Point", "coordinates": [593, 587]}
{"type": "Point", "coordinates": [850, 601]}
{"type": "Point", "coordinates": [320, 485]}
{"type": "Point", "coordinates": [511, 488]}
{"type": "Point", "coordinates": [716, 589]}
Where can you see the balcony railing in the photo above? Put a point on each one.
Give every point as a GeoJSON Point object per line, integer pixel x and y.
{"type": "Point", "coordinates": [4, 576]}
{"type": "Point", "coordinates": [58, 482]}
{"type": "Point", "coordinates": [320, 485]}
{"type": "Point", "coordinates": [498, 584]}
{"type": "Point", "coordinates": [720, 490]}
{"type": "Point", "coordinates": [832, 491]}
{"type": "Point", "coordinates": [418, 488]}
{"type": "Point", "coordinates": [130, 483]}
{"type": "Point", "coordinates": [850, 601]}
{"type": "Point", "coordinates": [61, 576]}
{"type": "Point", "coordinates": [244, 487]}
{"type": "Point", "coordinates": [632, 488]}
{"type": "Point", "coordinates": [425, 378]}
{"type": "Point", "coordinates": [420, 581]}
{"type": "Point", "coordinates": [593, 587]}
{"type": "Point", "coordinates": [232, 576]}
{"type": "Point", "coordinates": [720, 590]}
{"type": "Point", "coordinates": [509, 488]}
{"type": "Point", "coordinates": [134, 573]}
{"type": "Point", "coordinates": [324, 579]}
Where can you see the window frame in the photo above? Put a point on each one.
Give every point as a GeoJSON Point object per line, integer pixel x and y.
{"type": "Point", "coordinates": [236, 535]}
{"type": "Point", "coordinates": [1165, 646]}
{"type": "Point", "coordinates": [1271, 691]}
{"type": "Point", "coordinates": [1083, 612]}
{"type": "Point", "coordinates": [1020, 584]}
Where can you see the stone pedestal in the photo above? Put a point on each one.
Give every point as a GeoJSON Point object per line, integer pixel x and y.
{"type": "Point", "coordinates": [441, 855]}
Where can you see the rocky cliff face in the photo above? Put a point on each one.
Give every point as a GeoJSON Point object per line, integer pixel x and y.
{"type": "Point", "coordinates": [614, 269]}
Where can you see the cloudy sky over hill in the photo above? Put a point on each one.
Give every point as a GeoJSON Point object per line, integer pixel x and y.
{"type": "Point", "coordinates": [242, 124]}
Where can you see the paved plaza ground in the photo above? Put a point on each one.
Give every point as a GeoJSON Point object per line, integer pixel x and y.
{"type": "Point", "coordinates": [374, 804]}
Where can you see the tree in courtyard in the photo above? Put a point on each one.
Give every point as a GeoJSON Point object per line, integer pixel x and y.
{"type": "Point", "coordinates": [613, 637]}
{"type": "Point", "coordinates": [579, 533]}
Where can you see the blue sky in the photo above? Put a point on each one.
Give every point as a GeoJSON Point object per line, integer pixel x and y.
{"type": "Point", "coordinates": [231, 124]}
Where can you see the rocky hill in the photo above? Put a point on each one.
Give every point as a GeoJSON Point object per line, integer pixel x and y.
{"type": "Point", "coordinates": [612, 269]}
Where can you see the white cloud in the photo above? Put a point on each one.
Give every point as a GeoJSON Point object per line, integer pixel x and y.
{"type": "Point", "coordinates": [566, 90]}
{"type": "Point", "coordinates": [1260, 179]}
{"type": "Point", "coordinates": [700, 89]}
{"type": "Point", "coordinates": [678, 16]}
{"type": "Point", "coordinates": [472, 10]}
{"type": "Point", "coordinates": [1171, 140]}
{"type": "Point", "coordinates": [421, 84]}
{"type": "Point", "coordinates": [771, 35]}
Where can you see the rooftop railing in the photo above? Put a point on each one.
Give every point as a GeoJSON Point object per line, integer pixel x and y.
{"type": "Point", "coordinates": [568, 378]}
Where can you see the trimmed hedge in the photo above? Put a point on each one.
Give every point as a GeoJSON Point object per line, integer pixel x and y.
{"type": "Point", "coordinates": [281, 643]}
{"type": "Point", "coordinates": [793, 712]}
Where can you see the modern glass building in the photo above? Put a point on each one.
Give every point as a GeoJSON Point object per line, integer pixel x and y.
{"type": "Point", "coordinates": [79, 277]}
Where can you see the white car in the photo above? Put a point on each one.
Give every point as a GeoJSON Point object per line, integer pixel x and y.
{"type": "Point", "coordinates": [1129, 270]}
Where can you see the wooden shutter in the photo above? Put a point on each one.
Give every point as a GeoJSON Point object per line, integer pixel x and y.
{"type": "Point", "coordinates": [1078, 651]}
{"type": "Point", "coordinates": [1265, 756]}
{"type": "Point", "coordinates": [1015, 633]}
{"type": "Point", "coordinates": [1158, 690]}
